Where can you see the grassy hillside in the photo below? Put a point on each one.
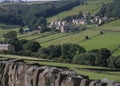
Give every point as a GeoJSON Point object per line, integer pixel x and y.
{"type": "Point", "coordinates": [113, 26]}
{"type": "Point", "coordinates": [73, 38]}
{"type": "Point", "coordinates": [93, 6]}
{"type": "Point", "coordinates": [110, 74]}
{"type": "Point", "coordinates": [107, 40]}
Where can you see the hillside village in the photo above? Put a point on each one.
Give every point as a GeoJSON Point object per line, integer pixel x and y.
{"type": "Point", "coordinates": [87, 19]}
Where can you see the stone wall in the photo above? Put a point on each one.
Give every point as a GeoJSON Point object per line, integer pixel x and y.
{"type": "Point", "coordinates": [19, 73]}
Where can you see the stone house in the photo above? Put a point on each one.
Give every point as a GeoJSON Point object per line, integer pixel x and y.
{"type": "Point", "coordinates": [7, 47]}
{"type": "Point", "coordinates": [81, 21]}
{"type": "Point", "coordinates": [63, 26]}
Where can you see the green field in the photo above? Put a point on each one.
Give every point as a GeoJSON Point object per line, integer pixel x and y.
{"type": "Point", "coordinates": [80, 69]}
{"type": "Point", "coordinates": [74, 38]}
{"type": "Point", "coordinates": [92, 7]}
{"type": "Point", "coordinates": [113, 26]}
{"type": "Point", "coordinates": [117, 52]}
{"type": "Point", "coordinates": [108, 40]}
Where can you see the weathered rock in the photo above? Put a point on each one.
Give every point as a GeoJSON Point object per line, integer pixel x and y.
{"type": "Point", "coordinates": [18, 73]}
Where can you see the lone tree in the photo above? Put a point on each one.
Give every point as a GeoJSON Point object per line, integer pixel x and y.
{"type": "Point", "coordinates": [21, 30]}
{"type": "Point", "coordinates": [86, 37]}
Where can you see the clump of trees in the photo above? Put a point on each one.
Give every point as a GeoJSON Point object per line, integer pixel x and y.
{"type": "Point", "coordinates": [21, 45]}
{"type": "Point", "coordinates": [65, 51]}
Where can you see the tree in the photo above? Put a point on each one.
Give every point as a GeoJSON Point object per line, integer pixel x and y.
{"type": "Point", "coordinates": [102, 56]}
{"type": "Point", "coordinates": [86, 37]}
{"type": "Point", "coordinates": [43, 53]}
{"type": "Point", "coordinates": [31, 46]}
{"type": "Point", "coordinates": [69, 50]}
{"type": "Point", "coordinates": [54, 51]}
{"type": "Point", "coordinates": [14, 42]}
{"type": "Point", "coordinates": [21, 30]}
{"type": "Point", "coordinates": [114, 62]}
{"type": "Point", "coordinates": [85, 58]}
{"type": "Point", "coordinates": [41, 21]}
{"type": "Point", "coordinates": [10, 35]}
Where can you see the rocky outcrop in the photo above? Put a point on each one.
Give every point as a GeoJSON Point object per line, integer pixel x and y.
{"type": "Point", "coordinates": [19, 73]}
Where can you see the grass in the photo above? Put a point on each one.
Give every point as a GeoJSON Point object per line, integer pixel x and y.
{"type": "Point", "coordinates": [92, 74]}
{"type": "Point", "coordinates": [52, 37]}
{"type": "Point", "coordinates": [108, 40]}
{"type": "Point", "coordinates": [117, 52]}
{"type": "Point", "coordinates": [92, 7]}
{"type": "Point", "coordinates": [113, 26]}
{"type": "Point", "coordinates": [74, 38]}
{"type": "Point", "coordinates": [35, 36]}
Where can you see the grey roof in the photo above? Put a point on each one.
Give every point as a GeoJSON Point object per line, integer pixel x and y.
{"type": "Point", "coordinates": [1, 45]}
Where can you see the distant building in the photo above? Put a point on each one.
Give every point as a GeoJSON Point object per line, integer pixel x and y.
{"type": "Point", "coordinates": [63, 26]}
{"type": "Point", "coordinates": [7, 47]}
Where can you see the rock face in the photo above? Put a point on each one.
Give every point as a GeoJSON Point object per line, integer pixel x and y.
{"type": "Point", "coordinates": [19, 73]}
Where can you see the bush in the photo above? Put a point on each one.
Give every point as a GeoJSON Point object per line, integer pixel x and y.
{"type": "Point", "coordinates": [102, 56]}
{"type": "Point", "coordinates": [31, 46]}
{"type": "Point", "coordinates": [85, 59]}
{"type": "Point", "coordinates": [114, 62]}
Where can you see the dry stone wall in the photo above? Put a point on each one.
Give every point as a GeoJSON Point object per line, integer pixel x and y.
{"type": "Point", "coordinates": [19, 73]}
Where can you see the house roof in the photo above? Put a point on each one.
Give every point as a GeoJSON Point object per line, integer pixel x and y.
{"type": "Point", "coordinates": [4, 45]}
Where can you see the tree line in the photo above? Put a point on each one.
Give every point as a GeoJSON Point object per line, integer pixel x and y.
{"type": "Point", "coordinates": [111, 9]}
{"type": "Point", "coordinates": [23, 14]}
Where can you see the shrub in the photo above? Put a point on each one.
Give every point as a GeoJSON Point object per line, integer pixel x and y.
{"type": "Point", "coordinates": [85, 59]}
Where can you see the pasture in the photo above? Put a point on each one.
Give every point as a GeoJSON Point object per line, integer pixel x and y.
{"type": "Point", "coordinates": [108, 40]}
{"type": "Point", "coordinates": [73, 38]}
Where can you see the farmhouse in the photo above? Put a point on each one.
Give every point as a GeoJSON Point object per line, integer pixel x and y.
{"type": "Point", "coordinates": [7, 47]}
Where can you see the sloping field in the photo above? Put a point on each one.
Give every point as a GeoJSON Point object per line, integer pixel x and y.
{"type": "Point", "coordinates": [117, 52]}
{"type": "Point", "coordinates": [113, 26]}
{"type": "Point", "coordinates": [92, 7]}
{"type": "Point", "coordinates": [108, 40]}
{"type": "Point", "coordinates": [30, 36]}
{"type": "Point", "coordinates": [52, 37]}
{"type": "Point", "coordinates": [74, 38]}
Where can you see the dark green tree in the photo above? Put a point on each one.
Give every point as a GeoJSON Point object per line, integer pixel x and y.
{"type": "Point", "coordinates": [102, 56]}
{"type": "Point", "coordinates": [54, 51]}
{"type": "Point", "coordinates": [69, 50]}
{"type": "Point", "coordinates": [85, 58]}
{"type": "Point", "coordinates": [31, 46]}
{"type": "Point", "coordinates": [41, 21]}
{"type": "Point", "coordinates": [21, 30]}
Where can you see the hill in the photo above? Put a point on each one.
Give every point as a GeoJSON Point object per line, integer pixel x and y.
{"type": "Point", "coordinates": [89, 6]}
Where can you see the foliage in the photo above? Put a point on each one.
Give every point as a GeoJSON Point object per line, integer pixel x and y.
{"type": "Point", "coordinates": [23, 14]}
{"type": "Point", "coordinates": [21, 31]}
{"type": "Point", "coordinates": [85, 58]}
{"type": "Point", "coordinates": [10, 35]}
{"type": "Point", "coordinates": [69, 50]}
{"type": "Point", "coordinates": [114, 62]}
{"type": "Point", "coordinates": [31, 46]}
{"type": "Point", "coordinates": [111, 9]}
{"type": "Point", "coordinates": [102, 56]}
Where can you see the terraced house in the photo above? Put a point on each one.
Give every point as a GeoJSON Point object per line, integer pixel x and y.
{"type": "Point", "coordinates": [7, 47]}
